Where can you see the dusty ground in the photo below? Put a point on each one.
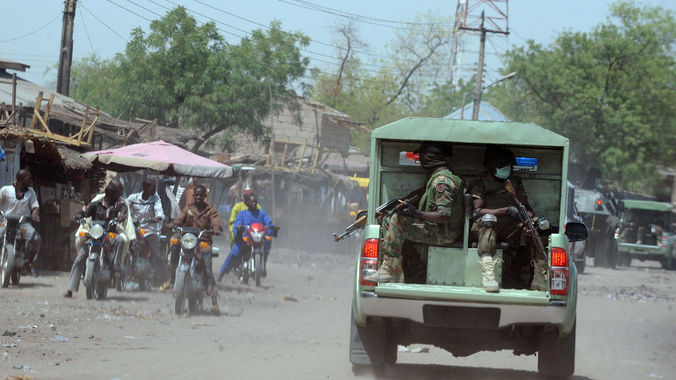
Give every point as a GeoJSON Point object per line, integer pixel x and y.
{"type": "Point", "coordinates": [297, 326]}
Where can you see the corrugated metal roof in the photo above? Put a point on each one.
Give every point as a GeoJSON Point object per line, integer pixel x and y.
{"type": "Point", "coordinates": [470, 131]}
{"type": "Point", "coordinates": [487, 112]}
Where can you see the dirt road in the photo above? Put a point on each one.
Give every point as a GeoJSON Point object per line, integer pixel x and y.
{"type": "Point", "coordinates": [297, 326]}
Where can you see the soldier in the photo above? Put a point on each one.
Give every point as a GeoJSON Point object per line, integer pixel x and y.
{"type": "Point", "coordinates": [497, 219]}
{"type": "Point", "coordinates": [437, 220]}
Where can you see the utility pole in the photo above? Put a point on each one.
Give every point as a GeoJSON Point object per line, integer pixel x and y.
{"type": "Point", "coordinates": [498, 15]}
{"type": "Point", "coordinates": [479, 72]}
{"type": "Point", "coordinates": [66, 52]}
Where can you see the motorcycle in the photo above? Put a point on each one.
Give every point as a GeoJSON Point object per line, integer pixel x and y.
{"type": "Point", "coordinates": [191, 279]}
{"type": "Point", "coordinates": [138, 267]}
{"type": "Point", "coordinates": [14, 255]}
{"type": "Point", "coordinates": [99, 266]}
{"type": "Point", "coordinates": [252, 263]}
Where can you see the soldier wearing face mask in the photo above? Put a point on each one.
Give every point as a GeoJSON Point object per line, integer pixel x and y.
{"type": "Point", "coordinates": [497, 219]}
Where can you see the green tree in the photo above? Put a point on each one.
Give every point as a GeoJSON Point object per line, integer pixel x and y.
{"type": "Point", "coordinates": [186, 75]}
{"type": "Point", "coordinates": [398, 85]}
{"type": "Point", "coordinates": [611, 91]}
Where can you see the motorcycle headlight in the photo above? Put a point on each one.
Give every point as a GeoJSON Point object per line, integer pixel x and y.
{"type": "Point", "coordinates": [543, 224]}
{"type": "Point", "coordinates": [257, 236]}
{"type": "Point", "coordinates": [189, 241]}
{"type": "Point", "coordinates": [96, 232]}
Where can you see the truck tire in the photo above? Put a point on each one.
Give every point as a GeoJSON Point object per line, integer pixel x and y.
{"type": "Point", "coordinates": [556, 355]}
{"type": "Point", "coordinates": [369, 351]}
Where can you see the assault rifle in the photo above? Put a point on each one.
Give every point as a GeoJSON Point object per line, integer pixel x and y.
{"type": "Point", "coordinates": [526, 220]}
{"type": "Point", "coordinates": [386, 209]}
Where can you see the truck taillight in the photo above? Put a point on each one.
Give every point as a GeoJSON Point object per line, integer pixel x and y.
{"type": "Point", "coordinates": [559, 273]}
{"type": "Point", "coordinates": [368, 262]}
{"type": "Point", "coordinates": [665, 240]}
{"type": "Point", "coordinates": [617, 233]}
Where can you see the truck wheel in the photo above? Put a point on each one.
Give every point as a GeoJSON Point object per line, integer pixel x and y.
{"type": "Point", "coordinates": [370, 350]}
{"type": "Point", "coordinates": [556, 356]}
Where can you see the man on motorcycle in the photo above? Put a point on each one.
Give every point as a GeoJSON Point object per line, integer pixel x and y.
{"type": "Point", "coordinates": [236, 209]}
{"type": "Point", "coordinates": [113, 210]}
{"type": "Point", "coordinates": [146, 210]}
{"type": "Point", "coordinates": [252, 214]}
{"type": "Point", "coordinates": [199, 214]}
{"type": "Point", "coordinates": [20, 200]}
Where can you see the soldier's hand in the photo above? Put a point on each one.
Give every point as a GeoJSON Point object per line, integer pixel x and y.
{"type": "Point", "coordinates": [410, 210]}
{"type": "Point", "coordinates": [512, 212]}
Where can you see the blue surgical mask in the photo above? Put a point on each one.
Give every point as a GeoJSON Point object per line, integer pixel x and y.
{"type": "Point", "coordinates": [503, 172]}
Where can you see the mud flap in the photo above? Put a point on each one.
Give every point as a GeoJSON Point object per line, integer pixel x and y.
{"type": "Point", "coordinates": [367, 345]}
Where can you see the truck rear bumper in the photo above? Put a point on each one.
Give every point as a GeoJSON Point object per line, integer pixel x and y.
{"type": "Point", "coordinates": [552, 313]}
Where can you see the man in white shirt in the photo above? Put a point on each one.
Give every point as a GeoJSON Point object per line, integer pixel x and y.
{"type": "Point", "coordinates": [146, 210]}
{"type": "Point", "coordinates": [20, 200]}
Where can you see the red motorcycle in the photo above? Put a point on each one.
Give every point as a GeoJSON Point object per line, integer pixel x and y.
{"type": "Point", "coordinates": [252, 263]}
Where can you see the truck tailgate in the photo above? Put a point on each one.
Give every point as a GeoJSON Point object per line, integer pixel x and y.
{"type": "Point", "coordinates": [462, 294]}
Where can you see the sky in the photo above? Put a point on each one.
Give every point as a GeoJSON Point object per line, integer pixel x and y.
{"type": "Point", "coordinates": [31, 30]}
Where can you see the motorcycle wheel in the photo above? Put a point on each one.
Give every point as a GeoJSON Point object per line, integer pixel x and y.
{"type": "Point", "coordinates": [101, 290]}
{"type": "Point", "coordinates": [179, 291]}
{"type": "Point", "coordinates": [258, 267]}
{"type": "Point", "coordinates": [7, 264]}
{"type": "Point", "coordinates": [146, 285]}
{"type": "Point", "coordinates": [194, 305]}
{"type": "Point", "coordinates": [16, 276]}
{"type": "Point", "coordinates": [89, 279]}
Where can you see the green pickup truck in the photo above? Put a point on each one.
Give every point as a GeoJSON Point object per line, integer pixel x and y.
{"type": "Point", "coordinates": [646, 232]}
{"type": "Point", "coordinates": [448, 307]}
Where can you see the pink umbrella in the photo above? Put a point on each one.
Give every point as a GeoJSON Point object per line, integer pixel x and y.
{"type": "Point", "coordinates": [160, 156]}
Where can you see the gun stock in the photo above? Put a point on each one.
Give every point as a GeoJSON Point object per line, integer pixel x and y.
{"type": "Point", "coordinates": [388, 208]}
{"type": "Point", "coordinates": [527, 221]}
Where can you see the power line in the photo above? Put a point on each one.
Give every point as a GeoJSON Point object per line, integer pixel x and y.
{"type": "Point", "coordinates": [267, 27]}
{"type": "Point", "coordinates": [130, 11]}
{"type": "Point", "coordinates": [103, 23]}
{"type": "Point", "coordinates": [33, 32]}
{"type": "Point", "coordinates": [87, 31]}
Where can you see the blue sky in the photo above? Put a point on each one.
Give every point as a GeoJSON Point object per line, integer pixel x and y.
{"type": "Point", "coordinates": [31, 30]}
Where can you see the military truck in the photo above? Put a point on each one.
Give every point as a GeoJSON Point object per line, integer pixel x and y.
{"type": "Point", "coordinates": [446, 306]}
{"type": "Point", "coordinates": [600, 215]}
{"type": "Point", "coordinates": [646, 232]}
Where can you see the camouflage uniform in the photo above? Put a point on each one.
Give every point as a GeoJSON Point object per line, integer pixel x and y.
{"type": "Point", "coordinates": [443, 193]}
{"type": "Point", "coordinates": [507, 229]}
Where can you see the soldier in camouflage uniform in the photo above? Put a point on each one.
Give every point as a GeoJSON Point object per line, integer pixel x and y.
{"type": "Point", "coordinates": [497, 219]}
{"type": "Point", "coordinates": [437, 220]}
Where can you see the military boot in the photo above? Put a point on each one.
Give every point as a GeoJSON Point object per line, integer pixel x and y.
{"type": "Point", "coordinates": [389, 271]}
{"type": "Point", "coordinates": [488, 274]}
{"type": "Point", "coordinates": [539, 275]}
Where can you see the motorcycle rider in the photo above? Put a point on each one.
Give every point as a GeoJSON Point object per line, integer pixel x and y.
{"type": "Point", "coordinates": [252, 214]}
{"type": "Point", "coordinates": [497, 219]}
{"type": "Point", "coordinates": [19, 199]}
{"type": "Point", "coordinates": [199, 214]}
{"type": "Point", "coordinates": [146, 210]}
{"type": "Point", "coordinates": [236, 209]}
{"type": "Point", "coordinates": [111, 208]}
